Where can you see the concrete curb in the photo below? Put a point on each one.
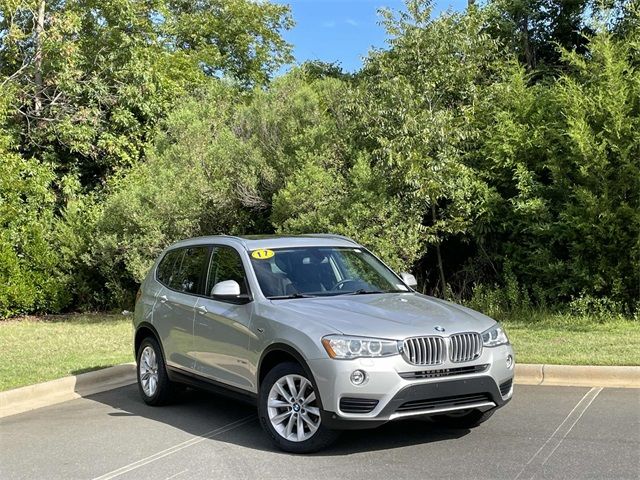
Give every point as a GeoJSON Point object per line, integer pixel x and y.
{"type": "Point", "coordinates": [578, 376]}
{"type": "Point", "coordinates": [27, 398]}
{"type": "Point", "coordinates": [23, 399]}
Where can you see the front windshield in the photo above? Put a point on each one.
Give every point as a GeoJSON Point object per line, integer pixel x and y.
{"type": "Point", "coordinates": [321, 271]}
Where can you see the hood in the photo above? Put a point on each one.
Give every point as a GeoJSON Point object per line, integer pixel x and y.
{"type": "Point", "coordinates": [390, 315]}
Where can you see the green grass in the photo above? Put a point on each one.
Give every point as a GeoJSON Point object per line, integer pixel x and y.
{"type": "Point", "coordinates": [561, 339]}
{"type": "Point", "coordinates": [36, 349]}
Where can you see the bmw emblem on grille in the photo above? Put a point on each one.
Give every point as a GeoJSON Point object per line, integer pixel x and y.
{"type": "Point", "coordinates": [438, 328]}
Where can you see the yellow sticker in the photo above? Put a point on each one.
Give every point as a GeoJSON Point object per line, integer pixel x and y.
{"type": "Point", "coordinates": [262, 254]}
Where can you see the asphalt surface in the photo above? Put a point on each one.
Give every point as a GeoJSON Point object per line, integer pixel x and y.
{"type": "Point", "coordinates": [545, 432]}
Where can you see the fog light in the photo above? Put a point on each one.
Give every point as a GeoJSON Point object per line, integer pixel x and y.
{"type": "Point", "coordinates": [358, 377]}
{"type": "Point", "coordinates": [509, 361]}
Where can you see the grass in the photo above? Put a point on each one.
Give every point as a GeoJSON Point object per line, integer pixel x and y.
{"type": "Point", "coordinates": [36, 349]}
{"type": "Point", "coordinates": [561, 339]}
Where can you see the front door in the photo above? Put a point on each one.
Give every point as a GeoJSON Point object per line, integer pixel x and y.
{"type": "Point", "coordinates": [222, 328]}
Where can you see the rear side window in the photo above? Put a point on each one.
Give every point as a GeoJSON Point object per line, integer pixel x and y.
{"type": "Point", "coordinates": [166, 267]}
{"type": "Point", "coordinates": [184, 269]}
{"type": "Point", "coordinates": [189, 271]}
{"type": "Point", "coordinates": [226, 264]}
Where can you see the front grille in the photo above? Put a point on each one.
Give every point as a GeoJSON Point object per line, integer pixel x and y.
{"type": "Point", "coordinates": [505, 387]}
{"type": "Point", "coordinates": [444, 372]}
{"type": "Point", "coordinates": [465, 347]}
{"type": "Point", "coordinates": [444, 402]}
{"type": "Point", "coordinates": [424, 350]}
{"type": "Point", "coordinates": [357, 405]}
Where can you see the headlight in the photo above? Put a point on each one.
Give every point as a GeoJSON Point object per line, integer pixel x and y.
{"type": "Point", "coordinates": [494, 336]}
{"type": "Point", "coordinates": [342, 347]}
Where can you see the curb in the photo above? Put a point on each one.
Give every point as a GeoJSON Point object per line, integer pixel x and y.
{"type": "Point", "coordinates": [577, 376]}
{"type": "Point", "coordinates": [23, 399]}
{"type": "Point", "coordinates": [27, 398]}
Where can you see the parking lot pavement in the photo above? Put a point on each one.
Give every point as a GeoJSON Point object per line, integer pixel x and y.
{"type": "Point", "coordinates": [545, 432]}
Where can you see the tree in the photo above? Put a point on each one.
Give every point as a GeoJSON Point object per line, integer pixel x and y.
{"type": "Point", "coordinates": [414, 107]}
{"type": "Point", "coordinates": [29, 276]}
{"type": "Point", "coordinates": [535, 28]}
{"type": "Point", "coordinates": [561, 159]}
{"type": "Point", "coordinates": [94, 77]}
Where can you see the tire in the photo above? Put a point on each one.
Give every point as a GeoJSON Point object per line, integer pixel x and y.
{"type": "Point", "coordinates": [467, 420]}
{"type": "Point", "coordinates": [156, 389]}
{"type": "Point", "coordinates": [282, 418]}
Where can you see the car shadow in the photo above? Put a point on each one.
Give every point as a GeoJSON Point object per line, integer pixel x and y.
{"type": "Point", "coordinates": [203, 414]}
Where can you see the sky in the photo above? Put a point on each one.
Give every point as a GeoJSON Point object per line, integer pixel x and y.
{"type": "Point", "coordinates": [343, 31]}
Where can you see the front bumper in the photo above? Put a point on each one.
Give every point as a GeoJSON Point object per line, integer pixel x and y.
{"type": "Point", "coordinates": [396, 396]}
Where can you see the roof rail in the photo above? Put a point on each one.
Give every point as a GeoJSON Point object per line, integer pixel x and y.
{"type": "Point", "coordinates": [331, 235]}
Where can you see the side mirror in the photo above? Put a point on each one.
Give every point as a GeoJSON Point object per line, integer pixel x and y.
{"type": "Point", "coordinates": [409, 279]}
{"type": "Point", "coordinates": [226, 289]}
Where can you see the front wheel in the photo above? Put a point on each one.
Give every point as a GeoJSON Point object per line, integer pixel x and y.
{"type": "Point", "coordinates": [289, 410]}
{"type": "Point", "coordinates": [464, 418]}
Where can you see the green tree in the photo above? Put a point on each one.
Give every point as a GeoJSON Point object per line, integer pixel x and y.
{"type": "Point", "coordinates": [562, 162]}
{"type": "Point", "coordinates": [414, 107]}
{"type": "Point", "coordinates": [94, 77]}
{"type": "Point", "coordinates": [29, 276]}
{"type": "Point", "coordinates": [535, 28]}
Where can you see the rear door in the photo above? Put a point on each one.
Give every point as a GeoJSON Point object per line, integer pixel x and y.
{"type": "Point", "coordinates": [183, 277]}
{"type": "Point", "coordinates": [222, 327]}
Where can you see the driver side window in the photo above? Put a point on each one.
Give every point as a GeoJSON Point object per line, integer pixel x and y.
{"type": "Point", "coordinates": [226, 264]}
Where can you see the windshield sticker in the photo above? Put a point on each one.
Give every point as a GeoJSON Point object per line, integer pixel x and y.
{"type": "Point", "coordinates": [262, 254]}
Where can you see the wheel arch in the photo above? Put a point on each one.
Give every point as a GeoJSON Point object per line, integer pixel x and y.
{"type": "Point", "coordinates": [144, 330]}
{"type": "Point", "coordinates": [277, 353]}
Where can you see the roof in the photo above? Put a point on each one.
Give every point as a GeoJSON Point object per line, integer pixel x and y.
{"type": "Point", "coordinates": [252, 242]}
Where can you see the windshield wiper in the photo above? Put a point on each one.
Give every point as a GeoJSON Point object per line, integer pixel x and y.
{"type": "Point", "coordinates": [293, 295]}
{"type": "Point", "coordinates": [362, 291]}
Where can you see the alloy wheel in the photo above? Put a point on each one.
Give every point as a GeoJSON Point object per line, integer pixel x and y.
{"type": "Point", "coordinates": [149, 371]}
{"type": "Point", "coordinates": [293, 409]}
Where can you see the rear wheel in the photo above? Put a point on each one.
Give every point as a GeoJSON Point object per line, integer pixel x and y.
{"type": "Point", "coordinates": [463, 418]}
{"type": "Point", "coordinates": [289, 410]}
{"type": "Point", "coordinates": [153, 382]}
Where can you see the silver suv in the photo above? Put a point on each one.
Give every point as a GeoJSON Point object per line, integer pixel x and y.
{"type": "Point", "coordinates": [316, 331]}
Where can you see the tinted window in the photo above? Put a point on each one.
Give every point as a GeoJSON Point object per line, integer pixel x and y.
{"type": "Point", "coordinates": [188, 271]}
{"type": "Point", "coordinates": [226, 264]}
{"type": "Point", "coordinates": [165, 269]}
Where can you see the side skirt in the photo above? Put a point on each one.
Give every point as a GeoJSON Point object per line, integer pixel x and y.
{"type": "Point", "coordinates": [196, 381]}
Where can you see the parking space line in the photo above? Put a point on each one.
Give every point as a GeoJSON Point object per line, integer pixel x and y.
{"type": "Point", "coordinates": [553, 442]}
{"type": "Point", "coordinates": [176, 474]}
{"type": "Point", "coordinates": [180, 446]}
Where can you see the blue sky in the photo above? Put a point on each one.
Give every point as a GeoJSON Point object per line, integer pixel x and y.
{"type": "Point", "coordinates": [343, 30]}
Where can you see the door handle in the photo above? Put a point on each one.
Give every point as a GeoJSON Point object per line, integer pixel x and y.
{"type": "Point", "coordinates": [201, 309]}
{"type": "Point", "coordinates": [163, 298]}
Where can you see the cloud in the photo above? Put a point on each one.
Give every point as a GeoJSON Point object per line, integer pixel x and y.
{"type": "Point", "coordinates": [329, 24]}
{"type": "Point", "coordinates": [352, 22]}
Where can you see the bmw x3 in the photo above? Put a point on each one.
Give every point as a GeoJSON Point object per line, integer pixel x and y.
{"type": "Point", "coordinates": [318, 333]}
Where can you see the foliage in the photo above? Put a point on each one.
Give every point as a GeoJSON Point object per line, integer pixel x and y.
{"type": "Point", "coordinates": [354, 203]}
{"type": "Point", "coordinates": [503, 177]}
{"type": "Point", "coordinates": [414, 109]}
{"type": "Point", "coordinates": [28, 260]}
{"type": "Point", "coordinates": [562, 162]}
{"type": "Point", "coordinates": [534, 28]}
{"type": "Point", "coordinates": [96, 77]}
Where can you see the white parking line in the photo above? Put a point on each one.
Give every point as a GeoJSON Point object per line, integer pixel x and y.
{"type": "Point", "coordinates": [553, 442]}
{"type": "Point", "coordinates": [176, 474]}
{"type": "Point", "coordinates": [176, 448]}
